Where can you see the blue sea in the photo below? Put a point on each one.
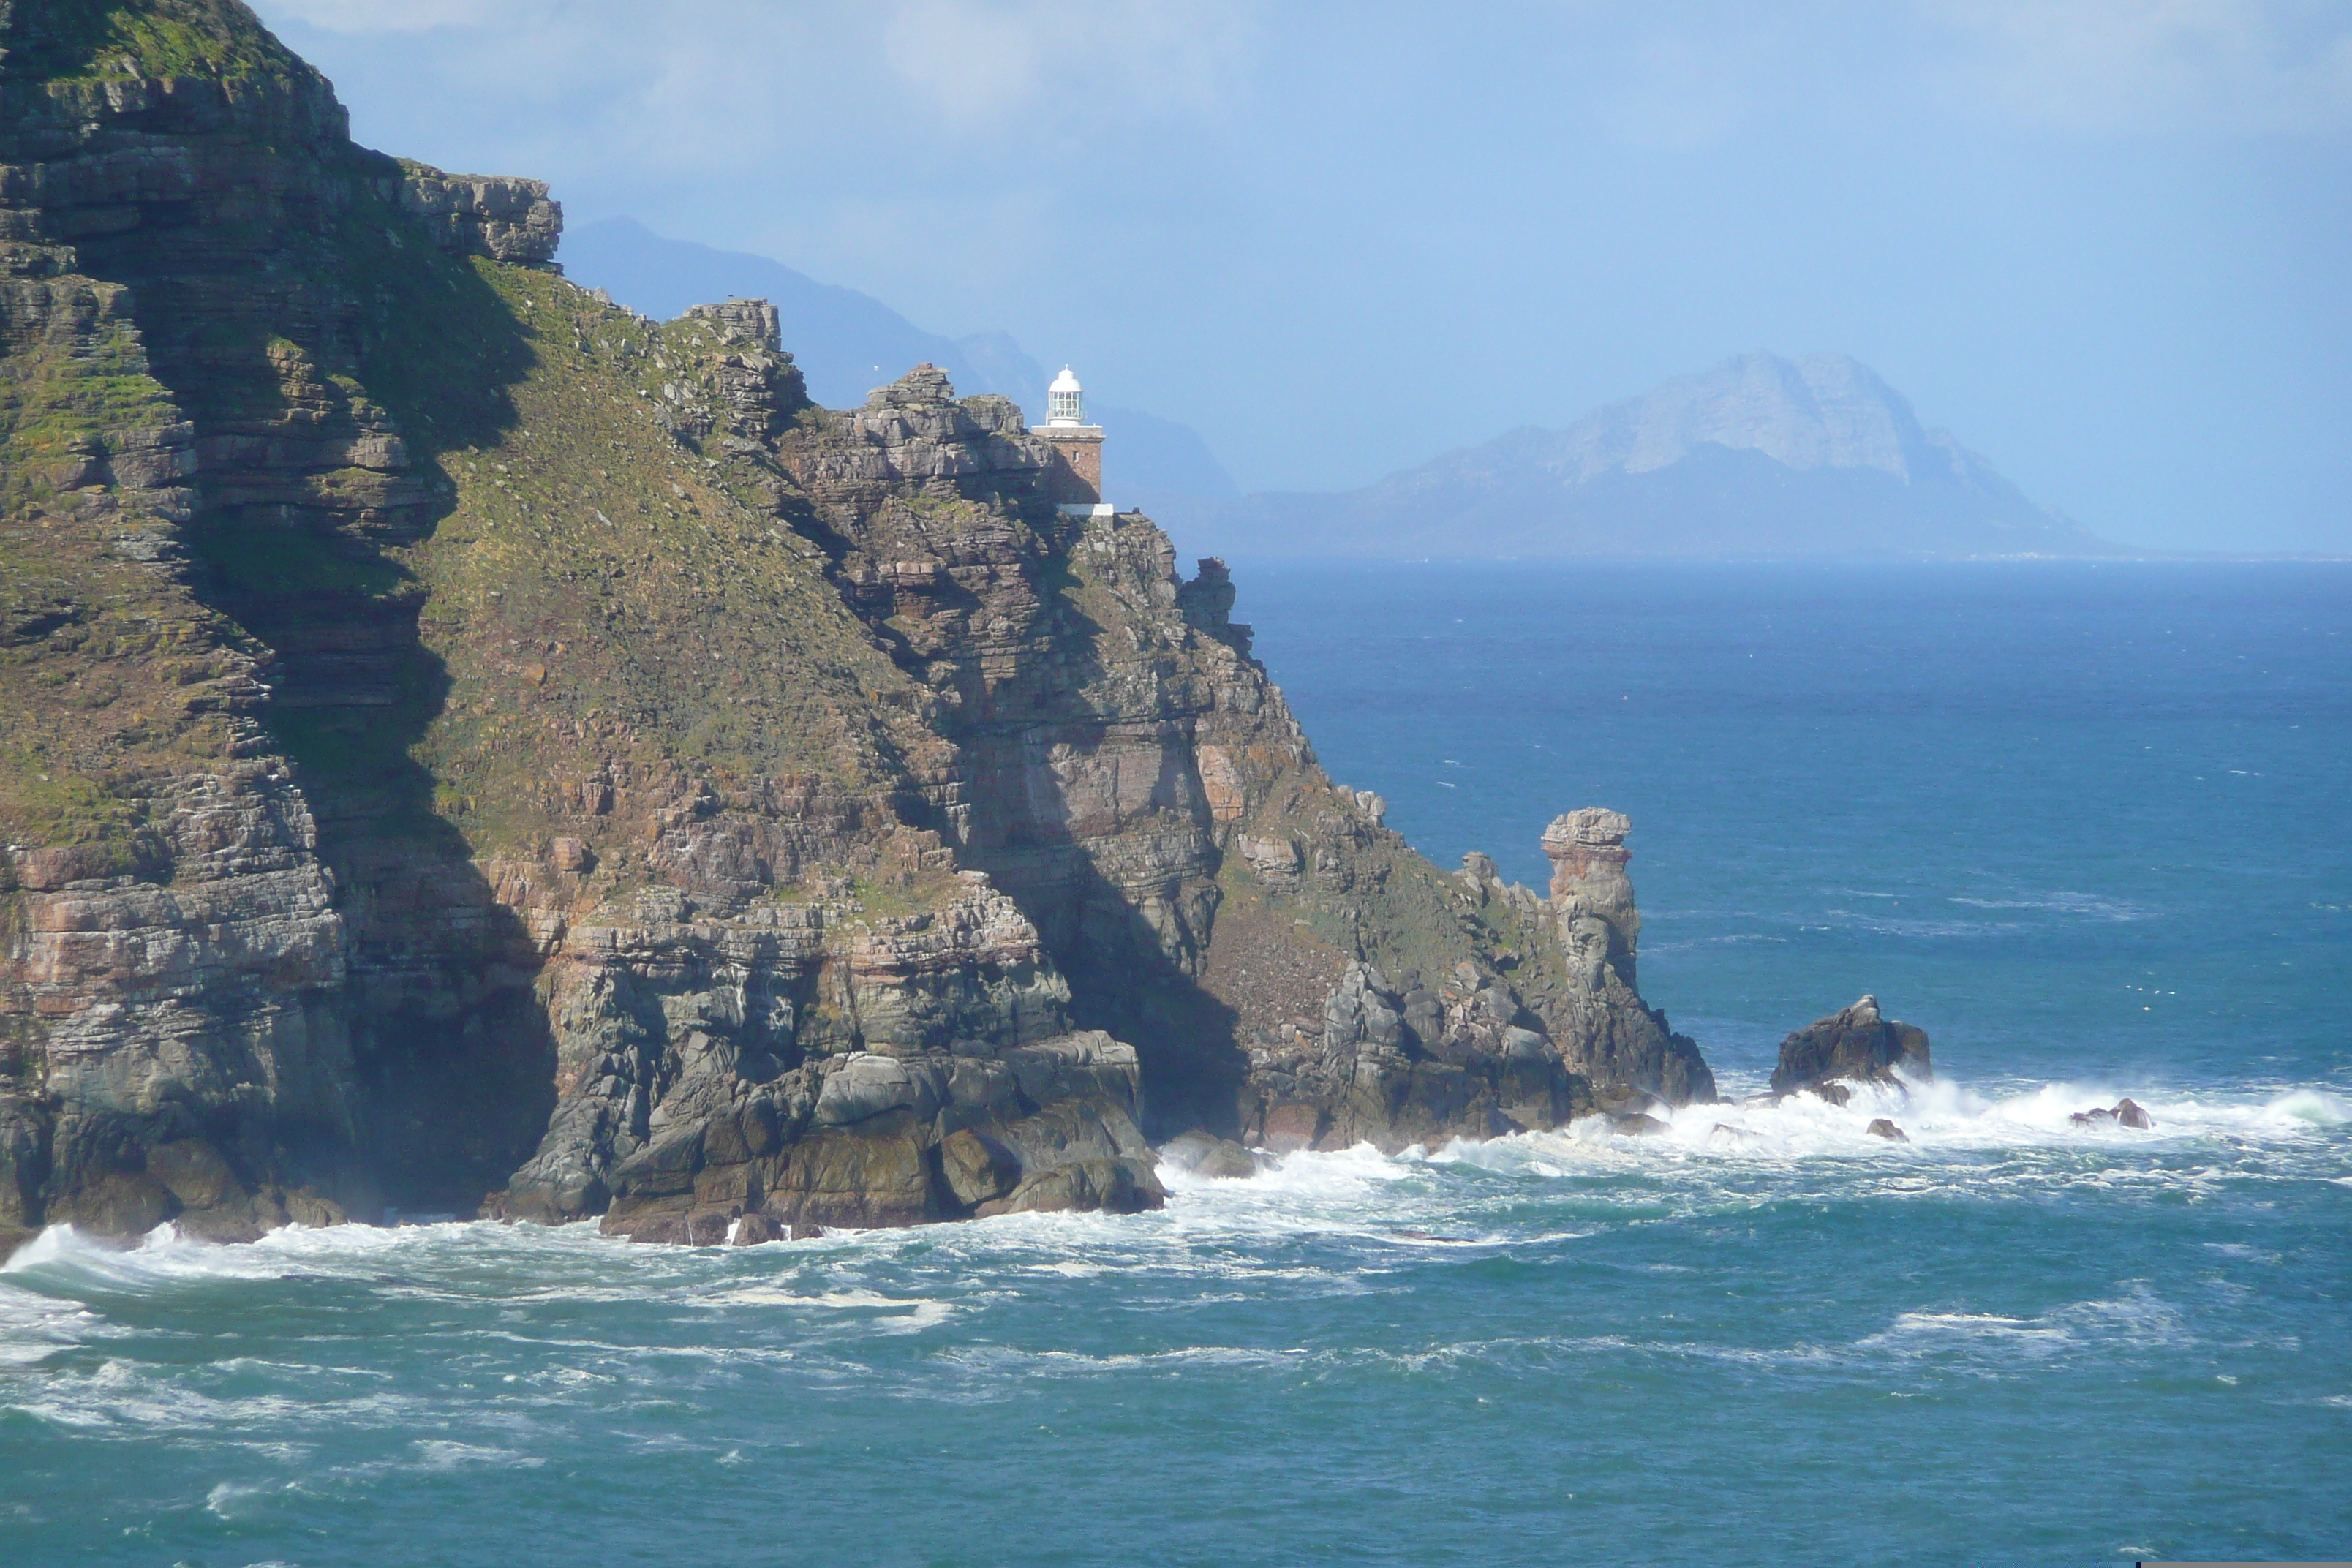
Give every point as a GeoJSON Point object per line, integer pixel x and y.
{"type": "Point", "coordinates": [2086, 825]}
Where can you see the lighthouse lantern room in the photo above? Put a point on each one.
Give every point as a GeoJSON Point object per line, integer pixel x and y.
{"type": "Point", "coordinates": [1074, 468]}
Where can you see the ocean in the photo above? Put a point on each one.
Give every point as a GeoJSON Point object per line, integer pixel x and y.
{"type": "Point", "coordinates": [2086, 825]}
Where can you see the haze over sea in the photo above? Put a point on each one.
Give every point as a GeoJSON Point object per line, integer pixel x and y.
{"type": "Point", "coordinates": [2085, 824]}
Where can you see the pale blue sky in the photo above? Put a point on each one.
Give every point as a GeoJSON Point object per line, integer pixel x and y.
{"type": "Point", "coordinates": [2108, 242]}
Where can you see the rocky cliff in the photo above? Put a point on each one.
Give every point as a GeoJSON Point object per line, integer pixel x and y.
{"type": "Point", "coordinates": [464, 745]}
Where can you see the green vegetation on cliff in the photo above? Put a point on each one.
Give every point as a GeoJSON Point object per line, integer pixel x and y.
{"type": "Point", "coordinates": [127, 39]}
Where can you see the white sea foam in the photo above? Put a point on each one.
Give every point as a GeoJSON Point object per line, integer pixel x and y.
{"type": "Point", "coordinates": [2093, 906]}
{"type": "Point", "coordinates": [34, 1328]}
{"type": "Point", "coordinates": [231, 1499]}
{"type": "Point", "coordinates": [1312, 1225]}
{"type": "Point", "coordinates": [884, 1314]}
{"type": "Point", "coordinates": [2316, 1107]}
{"type": "Point", "coordinates": [441, 1454]}
{"type": "Point", "coordinates": [2137, 1319]}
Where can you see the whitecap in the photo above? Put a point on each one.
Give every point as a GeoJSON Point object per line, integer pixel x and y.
{"type": "Point", "coordinates": [2093, 905]}
{"type": "Point", "coordinates": [2313, 1106]}
{"type": "Point", "coordinates": [228, 1499]}
{"type": "Point", "coordinates": [442, 1454]}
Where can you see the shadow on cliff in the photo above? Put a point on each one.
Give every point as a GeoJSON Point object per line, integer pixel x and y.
{"type": "Point", "coordinates": [285, 357]}
{"type": "Point", "coordinates": [1123, 976]}
{"type": "Point", "coordinates": [1121, 980]}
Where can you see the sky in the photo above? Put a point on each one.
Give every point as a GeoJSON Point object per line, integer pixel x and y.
{"type": "Point", "coordinates": [2108, 243]}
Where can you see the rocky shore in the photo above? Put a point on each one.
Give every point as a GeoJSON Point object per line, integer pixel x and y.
{"type": "Point", "coordinates": [468, 747]}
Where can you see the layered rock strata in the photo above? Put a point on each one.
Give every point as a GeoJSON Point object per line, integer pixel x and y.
{"type": "Point", "coordinates": [1467, 1053]}
{"type": "Point", "coordinates": [467, 746]}
{"type": "Point", "coordinates": [1606, 1031]}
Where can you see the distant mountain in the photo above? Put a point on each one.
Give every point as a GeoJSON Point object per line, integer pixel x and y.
{"type": "Point", "coordinates": [847, 343]}
{"type": "Point", "coordinates": [1759, 456]}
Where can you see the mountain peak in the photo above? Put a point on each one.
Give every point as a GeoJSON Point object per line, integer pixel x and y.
{"type": "Point", "coordinates": [1823, 411]}
{"type": "Point", "coordinates": [1761, 456]}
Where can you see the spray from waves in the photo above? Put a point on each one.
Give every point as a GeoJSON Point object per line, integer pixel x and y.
{"type": "Point", "coordinates": [2316, 1107]}
{"type": "Point", "coordinates": [1959, 1138]}
{"type": "Point", "coordinates": [59, 1290]}
{"type": "Point", "coordinates": [35, 1328]}
{"type": "Point", "coordinates": [1940, 1115]}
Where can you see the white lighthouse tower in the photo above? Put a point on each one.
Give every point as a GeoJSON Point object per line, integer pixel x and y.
{"type": "Point", "coordinates": [1074, 473]}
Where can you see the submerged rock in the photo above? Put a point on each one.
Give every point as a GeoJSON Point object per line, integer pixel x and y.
{"type": "Point", "coordinates": [2125, 1112]}
{"type": "Point", "coordinates": [753, 1229]}
{"type": "Point", "coordinates": [1206, 1155]}
{"type": "Point", "coordinates": [1637, 1126]}
{"type": "Point", "coordinates": [1857, 1044]}
{"type": "Point", "coordinates": [1882, 1128]}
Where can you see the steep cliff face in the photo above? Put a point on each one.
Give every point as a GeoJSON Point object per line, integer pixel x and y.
{"type": "Point", "coordinates": [1535, 1023]}
{"type": "Point", "coordinates": [174, 955]}
{"type": "Point", "coordinates": [462, 738]}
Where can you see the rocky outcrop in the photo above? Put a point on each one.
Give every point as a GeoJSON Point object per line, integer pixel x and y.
{"type": "Point", "coordinates": [1403, 1061]}
{"type": "Point", "coordinates": [192, 1044]}
{"type": "Point", "coordinates": [865, 1139]}
{"type": "Point", "coordinates": [1856, 1044]}
{"type": "Point", "coordinates": [1605, 1030]}
{"type": "Point", "coordinates": [484, 214]}
{"type": "Point", "coordinates": [1397, 1063]}
{"type": "Point", "coordinates": [1211, 1158]}
{"type": "Point", "coordinates": [669, 1021]}
{"type": "Point", "coordinates": [461, 738]}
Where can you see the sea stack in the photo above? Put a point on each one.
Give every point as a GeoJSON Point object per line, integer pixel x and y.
{"type": "Point", "coordinates": [1542, 1026]}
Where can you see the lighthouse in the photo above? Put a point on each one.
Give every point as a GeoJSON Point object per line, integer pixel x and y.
{"type": "Point", "coordinates": [1073, 465]}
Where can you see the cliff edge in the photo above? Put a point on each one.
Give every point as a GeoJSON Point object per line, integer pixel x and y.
{"type": "Point", "coordinates": [464, 747]}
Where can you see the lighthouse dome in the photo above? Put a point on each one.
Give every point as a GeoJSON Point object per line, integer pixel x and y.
{"type": "Point", "coordinates": [1065, 400]}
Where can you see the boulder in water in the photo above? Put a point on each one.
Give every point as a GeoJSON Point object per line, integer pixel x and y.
{"type": "Point", "coordinates": [1882, 1128]}
{"type": "Point", "coordinates": [1203, 1154]}
{"type": "Point", "coordinates": [2125, 1113]}
{"type": "Point", "coordinates": [1637, 1125]}
{"type": "Point", "coordinates": [1858, 1043]}
{"type": "Point", "coordinates": [1837, 1094]}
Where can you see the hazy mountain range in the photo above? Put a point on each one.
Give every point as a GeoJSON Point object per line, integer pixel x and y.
{"type": "Point", "coordinates": [1759, 456]}
{"type": "Point", "coordinates": [847, 343]}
